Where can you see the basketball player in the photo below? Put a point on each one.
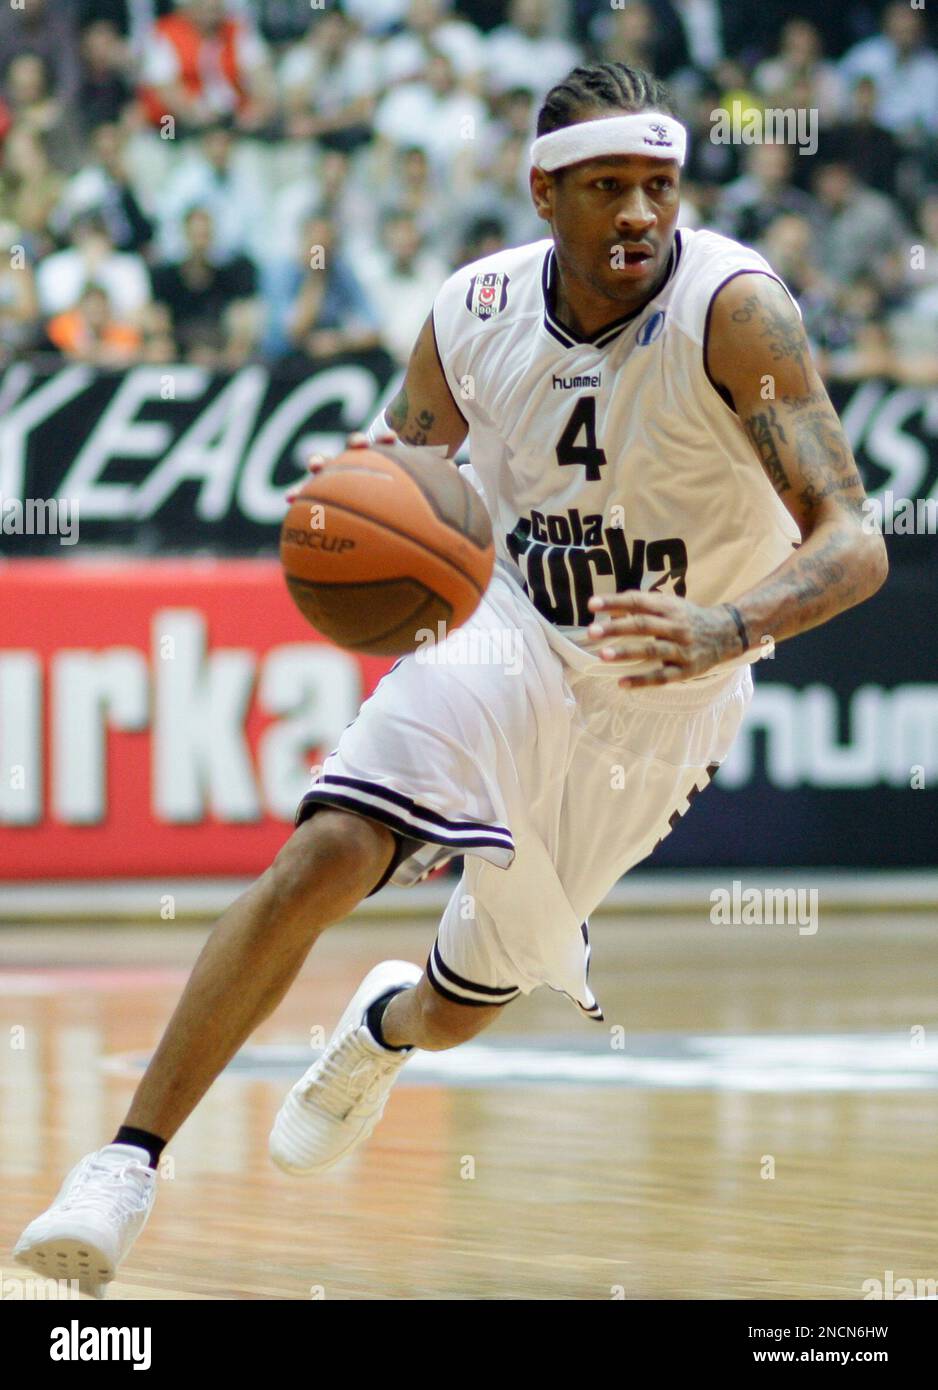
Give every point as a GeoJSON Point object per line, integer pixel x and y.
{"type": "Point", "coordinates": [670, 489]}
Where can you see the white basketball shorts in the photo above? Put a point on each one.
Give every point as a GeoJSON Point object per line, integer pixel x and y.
{"type": "Point", "coordinates": [550, 779]}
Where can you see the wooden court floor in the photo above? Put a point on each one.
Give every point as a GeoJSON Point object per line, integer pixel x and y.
{"type": "Point", "coordinates": [756, 1118]}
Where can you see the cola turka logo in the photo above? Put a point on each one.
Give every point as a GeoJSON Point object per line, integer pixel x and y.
{"type": "Point", "coordinates": [564, 556]}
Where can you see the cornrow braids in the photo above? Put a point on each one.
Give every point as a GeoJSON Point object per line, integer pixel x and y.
{"type": "Point", "coordinates": [613, 85]}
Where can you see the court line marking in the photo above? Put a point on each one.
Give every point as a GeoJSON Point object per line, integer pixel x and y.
{"type": "Point", "coordinates": [659, 1061]}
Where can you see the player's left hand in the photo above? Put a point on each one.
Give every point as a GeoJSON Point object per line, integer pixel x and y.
{"type": "Point", "coordinates": [671, 637]}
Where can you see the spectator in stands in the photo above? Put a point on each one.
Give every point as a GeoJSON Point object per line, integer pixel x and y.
{"type": "Point", "coordinates": [105, 91]}
{"type": "Point", "coordinates": [525, 53]}
{"type": "Point", "coordinates": [33, 107]}
{"type": "Point", "coordinates": [430, 27]}
{"type": "Point", "coordinates": [103, 187]}
{"type": "Point", "coordinates": [627, 35]}
{"type": "Point", "coordinates": [377, 18]}
{"type": "Point", "coordinates": [411, 188]}
{"type": "Point", "coordinates": [315, 303]}
{"type": "Point", "coordinates": [339, 191]}
{"type": "Point", "coordinates": [440, 116]}
{"type": "Point", "coordinates": [487, 15]}
{"type": "Point", "coordinates": [904, 69]}
{"type": "Point", "coordinates": [91, 333]}
{"type": "Point", "coordinates": [329, 82]}
{"type": "Point", "coordinates": [200, 66]}
{"type": "Point", "coordinates": [860, 344]}
{"type": "Point", "coordinates": [710, 163]}
{"type": "Point", "coordinates": [860, 224]}
{"type": "Point", "coordinates": [692, 33]}
{"type": "Point", "coordinates": [156, 332]}
{"type": "Point", "coordinates": [406, 126]}
{"type": "Point", "coordinates": [872, 152]}
{"type": "Point", "coordinates": [30, 188]}
{"type": "Point", "coordinates": [481, 238]}
{"type": "Point", "coordinates": [216, 173]}
{"type": "Point", "coordinates": [19, 305]}
{"type": "Point", "coordinates": [790, 245]}
{"type": "Point", "coordinates": [750, 203]}
{"type": "Point", "coordinates": [281, 22]}
{"type": "Point", "coordinates": [800, 64]}
{"type": "Point", "coordinates": [504, 195]}
{"type": "Point", "coordinates": [212, 301]}
{"type": "Point", "coordinates": [47, 29]}
{"type": "Point", "coordinates": [401, 278]}
{"type": "Point", "coordinates": [923, 269]}
{"type": "Point", "coordinates": [92, 259]}
{"type": "Point", "coordinates": [513, 113]}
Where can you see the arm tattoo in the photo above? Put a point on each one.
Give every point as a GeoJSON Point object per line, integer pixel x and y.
{"type": "Point", "coordinates": [818, 584]}
{"type": "Point", "coordinates": [826, 466]}
{"type": "Point", "coordinates": [780, 326]}
{"type": "Point", "coordinates": [398, 415]}
{"type": "Point", "coordinates": [762, 430]}
{"type": "Point", "coordinates": [815, 436]}
{"type": "Point", "coordinates": [397, 412]}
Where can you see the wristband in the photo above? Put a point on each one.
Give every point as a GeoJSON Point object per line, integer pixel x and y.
{"type": "Point", "coordinates": [740, 625]}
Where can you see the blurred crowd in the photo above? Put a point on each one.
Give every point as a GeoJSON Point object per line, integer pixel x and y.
{"type": "Point", "coordinates": [285, 180]}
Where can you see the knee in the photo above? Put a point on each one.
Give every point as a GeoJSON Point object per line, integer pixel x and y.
{"type": "Point", "coordinates": [327, 866]}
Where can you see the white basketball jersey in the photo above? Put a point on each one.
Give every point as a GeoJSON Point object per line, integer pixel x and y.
{"type": "Point", "coordinates": [613, 462]}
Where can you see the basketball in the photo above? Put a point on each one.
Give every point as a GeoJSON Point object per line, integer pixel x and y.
{"type": "Point", "coordinates": [376, 550]}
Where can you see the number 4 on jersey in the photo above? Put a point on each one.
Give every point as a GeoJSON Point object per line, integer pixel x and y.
{"type": "Point", "coordinates": [589, 454]}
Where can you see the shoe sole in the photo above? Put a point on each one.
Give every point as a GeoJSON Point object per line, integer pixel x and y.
{"type": "Point", "coordinates": [67, 1257]}
{"type": "Point", "coordinates": [391, 972]}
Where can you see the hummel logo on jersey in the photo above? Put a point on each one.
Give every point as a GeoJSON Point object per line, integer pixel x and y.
{"type": "Point", "coordinates": [488, 294]}
{"type": "Point", "coordinates": [575, 383]}
{"type": "Point", "coordinates": [661, 132]}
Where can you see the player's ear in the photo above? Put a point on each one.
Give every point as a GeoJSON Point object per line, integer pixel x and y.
{"type": "Point", "coordinates": [542, 190]}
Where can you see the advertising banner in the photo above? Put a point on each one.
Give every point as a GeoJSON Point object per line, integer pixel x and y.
{"type": "Point", "coordinates": [181, 459]}
{"type": "Point", "coordinates": [160, 718]}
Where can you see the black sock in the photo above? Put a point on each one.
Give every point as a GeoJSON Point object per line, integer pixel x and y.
{"type": "Point", "coordinates": [141, 1139]}
{"type": "Point", "coordinates": [375, 1014]}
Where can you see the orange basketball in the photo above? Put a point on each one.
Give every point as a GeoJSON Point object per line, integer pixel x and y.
{"type": "Point", "coordinates": [375, 550]}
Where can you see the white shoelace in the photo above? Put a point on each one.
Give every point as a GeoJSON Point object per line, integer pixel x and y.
{"type": "Point", "coordinates": [351, 1077]}
{"type": "Point", "coordinates": [126, 1194]}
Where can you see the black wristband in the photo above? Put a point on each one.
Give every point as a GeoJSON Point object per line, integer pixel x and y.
{"type": "Point", "coordinates": [740, 625]}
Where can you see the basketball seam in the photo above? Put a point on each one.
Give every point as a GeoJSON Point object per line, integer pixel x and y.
{"type": "Point", "coordinates": [429, 596]}
{"type": "Point", "coordinates": [396, 531]}
{"type": "Point", "coordinates": [428, 498]}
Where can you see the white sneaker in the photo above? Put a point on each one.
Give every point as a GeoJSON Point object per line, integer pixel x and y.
{"type": "Point", "coordinates": [101, 1208]}
{"type": "Point", "coordinates": [335, 1106]}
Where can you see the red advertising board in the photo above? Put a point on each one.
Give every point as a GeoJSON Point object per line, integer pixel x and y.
{"type": "Point", "coordinates": [159, 717]}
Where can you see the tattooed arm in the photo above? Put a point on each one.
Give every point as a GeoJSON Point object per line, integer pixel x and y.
{"type": "Point", "coordinates": [755, 334]}
{"type": "Point", "coordinates": [423, 411]}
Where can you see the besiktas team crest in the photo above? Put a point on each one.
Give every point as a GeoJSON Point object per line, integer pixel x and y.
{"type": "Point", "coordinates": [488, 294]}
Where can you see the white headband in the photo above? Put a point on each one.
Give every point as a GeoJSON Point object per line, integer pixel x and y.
{"type": "Point", "coordinates": [647, 132]}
